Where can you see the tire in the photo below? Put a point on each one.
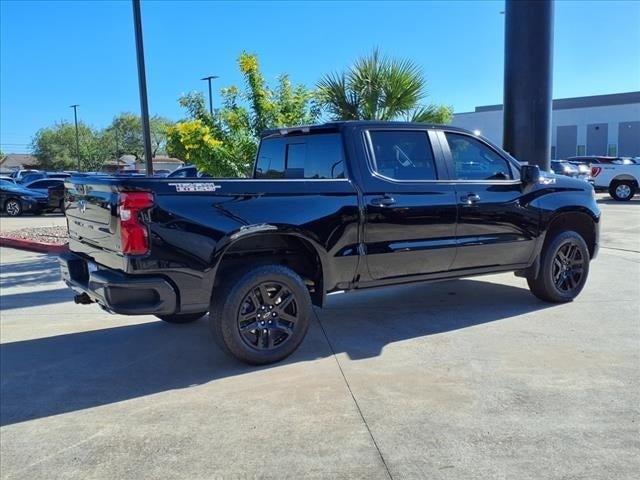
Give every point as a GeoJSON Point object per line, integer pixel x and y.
{"type": "Point", "coordinates": [564, 262]}
{"type": "Point", "coordinates": [622, 190]}
{"type": "Point", "coordinates": [13, 207]}
{"type": "Point", "coordinates": [280, 320]}
{"type": "Point", "coordinates": [182, 317]}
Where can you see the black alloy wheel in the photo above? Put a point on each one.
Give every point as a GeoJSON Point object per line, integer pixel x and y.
{"type": "Point", "coordinates": [568, 267]}
{"type": "Point", "coordinates": [260, 314]}
{"type": "Point", "coordinates": [564, 268]}
{"type": "Point", "coordinates": [268, 315]}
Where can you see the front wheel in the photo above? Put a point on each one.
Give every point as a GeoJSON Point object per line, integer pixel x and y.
{"type": "Point", "coordinates": [13, 207]}
{"type": "Point", "coordinates": [622, 191]}
{"type": "Point", "coordinates": [564, 267]}
{"type": "Point", "coordinates": [181, 317]}
{"type": "Point", "coordinates": [262, 315]}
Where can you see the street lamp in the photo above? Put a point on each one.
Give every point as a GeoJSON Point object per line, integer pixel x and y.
{"type": "Point", "coordinates": [208, 79]}
{"type": "Point", "coordinates": [75, 117]}
{"type": "Point", "coordinates": [142, 86]}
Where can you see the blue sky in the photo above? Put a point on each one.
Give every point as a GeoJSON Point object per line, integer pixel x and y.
{"type": "Point", "coordinates": [54, 54]}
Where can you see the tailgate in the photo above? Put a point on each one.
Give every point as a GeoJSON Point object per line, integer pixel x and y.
{"type": "Point", "coordinates": [91, 210]}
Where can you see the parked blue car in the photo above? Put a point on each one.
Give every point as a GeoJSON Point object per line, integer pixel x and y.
{"type": "Point", "coordinates": [16, 199]}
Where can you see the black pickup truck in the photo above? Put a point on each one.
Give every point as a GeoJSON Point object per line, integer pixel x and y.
{"type": "Point", "coordinates": [339, 206]}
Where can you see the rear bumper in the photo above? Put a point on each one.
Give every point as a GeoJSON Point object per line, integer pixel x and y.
{"type": "Point", "coordinates": [118, 292]}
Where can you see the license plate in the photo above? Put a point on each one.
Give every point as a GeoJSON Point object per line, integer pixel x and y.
{"type": "Point", "coordinates": [92, 267]}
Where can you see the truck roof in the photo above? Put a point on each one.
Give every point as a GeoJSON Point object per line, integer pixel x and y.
{"type": "Point", "coordinates": [338, 125]}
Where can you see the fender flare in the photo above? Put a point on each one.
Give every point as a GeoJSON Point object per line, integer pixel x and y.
{"type": "Point", "coordinates": [251, 231]}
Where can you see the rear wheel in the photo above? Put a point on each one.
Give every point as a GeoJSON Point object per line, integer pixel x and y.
{"type": "Point", "coordinates": [262, 315]}
{"type": "Point", "coordinates": [181, 317]}
{"type": "Point", "coordinates": [13, 207]}
{"type": "Point", "coordinates": [564, 267]}
{"type": "Point", "coordinates": [623, 190]}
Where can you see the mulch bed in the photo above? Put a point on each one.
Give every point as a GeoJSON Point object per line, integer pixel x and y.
{"type": "Point", "coordinates": [49, 235]}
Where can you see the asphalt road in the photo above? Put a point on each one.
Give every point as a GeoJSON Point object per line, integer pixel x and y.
{"type": "Point", "coordinates": [473, 378]}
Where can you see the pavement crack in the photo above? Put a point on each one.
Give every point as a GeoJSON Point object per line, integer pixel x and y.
{"type": "Point", "coordinates": [621, 249]}
{"type": "Point", "coordinates": [353, 397]}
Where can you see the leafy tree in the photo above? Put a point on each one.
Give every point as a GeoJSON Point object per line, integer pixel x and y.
{"type": "Point", "coordinates": [377, 87]}
{"type": "Point", "coordinates": [240, 120]}
{"type": "Point", "coordinates": [125, 131]}
{"type": "Point", "coordinates": [55, 147]}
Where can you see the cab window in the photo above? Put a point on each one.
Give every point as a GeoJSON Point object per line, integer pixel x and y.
{"type": "Point", "coordinates": [315, 156]}
{"type": "Point", "coordinates": [473, 160]}
{"type": "Point", "coordinates": [403, 155]}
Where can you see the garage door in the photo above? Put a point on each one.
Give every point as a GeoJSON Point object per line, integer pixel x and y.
{"type": "Point", "coordinates": [566, 141]}
{"type": "Point", "coordinates": [629, 139]}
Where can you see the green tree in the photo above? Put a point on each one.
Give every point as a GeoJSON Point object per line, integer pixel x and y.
{"type": "Point", "coordinates": [55, 147]}
{"type": "Point", "coordinates": [125, 132]}
{"type": "Point", "coordinates": [237, 124]}
{"type": "Point", "coordinates": [377, 87]}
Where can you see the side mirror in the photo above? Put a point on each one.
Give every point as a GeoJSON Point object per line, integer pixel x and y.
{"type": "Point", "coordinates": [529, 174]}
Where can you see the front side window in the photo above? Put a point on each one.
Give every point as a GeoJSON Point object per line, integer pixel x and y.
{"type": "Point", "coordinates": [473, 160]}
{"type": "Point", "coordinates": [403, 155]}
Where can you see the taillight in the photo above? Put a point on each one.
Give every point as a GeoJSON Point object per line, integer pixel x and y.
{"type": "Point", "coordinates": [595, 171]}
{"type": "Point", "coordinates": [133, 233]}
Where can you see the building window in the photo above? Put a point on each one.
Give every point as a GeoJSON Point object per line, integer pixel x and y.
{"type": "Point", "coordinates": [582, 149]}
{"type": "Point", "coordinates": [612, 150]}
{"type": "Point", "coordinates": [553, 153]}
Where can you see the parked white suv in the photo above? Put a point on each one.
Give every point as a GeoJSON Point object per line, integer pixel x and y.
{"type": "Point", "coordinates": [621, 179]}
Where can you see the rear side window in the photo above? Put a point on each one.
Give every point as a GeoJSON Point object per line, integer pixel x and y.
{"type": "Point", "coordinates": [318, 156]}
{"type": "Point", "coordinates": [403, 155]}
{"type": "Point", "coordinates": [473, 160]}
{"type": "Point", "coordinates": [44, 183]}
{"type": "Point", "coordinates": [270, 162]}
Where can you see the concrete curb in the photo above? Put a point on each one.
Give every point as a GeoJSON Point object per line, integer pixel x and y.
{"type": "Point", "coordinates": [33, 246]}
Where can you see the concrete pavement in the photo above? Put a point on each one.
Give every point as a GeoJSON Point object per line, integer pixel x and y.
{"type": "Point", "coordinates": [473, 378]}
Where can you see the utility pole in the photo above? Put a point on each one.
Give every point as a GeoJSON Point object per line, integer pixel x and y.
{"type": "Point", "coordinates": [528, 70]}
{"type": "Point", "coordinates": [208, 79]}
{"type": "Point", "coordinates": [75, 118]}
{"type": "Point", "coordinates": [142, 85]}
{"type": "Point", "coordinates": [115, 131]}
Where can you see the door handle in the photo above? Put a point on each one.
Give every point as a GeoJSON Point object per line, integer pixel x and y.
{"type": "Point", "coordinates": [470, 198]}
{"type": "Point", "coordinates": [385, 201]}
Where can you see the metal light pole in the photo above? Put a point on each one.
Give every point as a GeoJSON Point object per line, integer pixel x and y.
{"type": "Point", "coordinates": [75, 118]}
{"type": "Point", "coordinates": [115, 131]}
{"type": "Point", "coordinates": [142, 85]}
{"type": "Point", "coordinates": [528, 73]}
{"type": "Point", "coordinates": [208, 79]}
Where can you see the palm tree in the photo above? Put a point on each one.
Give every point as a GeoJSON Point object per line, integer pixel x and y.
{"type": "Point", "coordinates": [379, 88]}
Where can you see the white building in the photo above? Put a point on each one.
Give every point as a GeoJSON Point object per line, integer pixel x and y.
{"type": "Point", "coordinates": [596, 125]}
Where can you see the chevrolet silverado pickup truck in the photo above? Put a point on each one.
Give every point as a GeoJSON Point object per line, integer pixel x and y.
{"type": "Point", "coordinates": [333, 207]}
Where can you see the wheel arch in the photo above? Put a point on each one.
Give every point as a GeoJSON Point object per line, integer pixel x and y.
{"type": "Point", "coordinates": [625, 177]}
{"type": "Point", "coordinates": [285, 246]}
{"type": "Point", "coordinates": [581, 221]}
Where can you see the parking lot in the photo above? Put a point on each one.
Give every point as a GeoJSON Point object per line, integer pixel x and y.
{"type": "Point", "coordinates": [474, 378]}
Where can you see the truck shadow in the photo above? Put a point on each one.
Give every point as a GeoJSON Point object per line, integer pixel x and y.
{"type": "Point", "coordinates": [65, 373]}
{"type": "Point", "coordinates": [44, 269]}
